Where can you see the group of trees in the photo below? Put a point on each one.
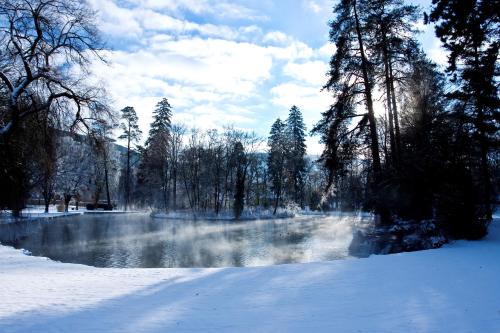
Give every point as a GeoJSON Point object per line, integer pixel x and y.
{"type": "Point", "coordinates": [286, 160]}
{"type": "Point", "coordinates": [220, 171]}
{"type": "Point", "coordinates": [431, 153]}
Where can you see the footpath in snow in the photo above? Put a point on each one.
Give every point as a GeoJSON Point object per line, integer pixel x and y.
{"type": "Point", "coordinates": [452, 289]}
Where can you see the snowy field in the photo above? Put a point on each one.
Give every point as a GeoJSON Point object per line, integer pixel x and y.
{"type": "Point", "coordinates": [452, 289]}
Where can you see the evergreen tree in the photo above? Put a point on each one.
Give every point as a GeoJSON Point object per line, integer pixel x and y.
{"type": "Point", "coordinates": [351, 71]}
{"type": "Point", "coordinates": [132, 134]}
{"type": "Point", "coordinates": [161, 125]}
{"type": "Point", "coordinates": [296, 163]}
{"type": "Point", "coordinates": [390, 24]}
{"type": "Point", "coordinates": [351, 80]}
{"type": "Point", "coordinates": [425, 135]}
{"type": "Point", "coordinates": [276, 159]}
{"type": "Point", "coordinates": [154, 169]}
{"type": "Point", "coordinates": [470, 31]}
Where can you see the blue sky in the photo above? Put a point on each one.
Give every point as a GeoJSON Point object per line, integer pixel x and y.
{"type": "Point", "coordinates": [240, 63]}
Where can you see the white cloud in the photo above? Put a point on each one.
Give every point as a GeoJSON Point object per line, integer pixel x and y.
{"type": "Point", "coordinates": [306, 97]}
{"type": "Point", "coordinates": [327, 50]}
{"type": "Point", "coordinates": [207, 81]}
{"type": "Point", "coordinates": [276, 37]}
{"type": "Point", "coordinates": [134, 22]}
{"type": "Point", "coordinates": [218, 8]}
{"type": "Point", "coordinates": [154, 21]}
{"type": "Point", "coordinates": [311, 72]}
{"type": "Point", "coordinates": [225, 66]}
{"type": "Point", "coordinates": [210, 116]}
{"type": "Point", "coordinates": [116, 21]}
{"type": "Point", "coordinates": [292, 51]}
{"type": "Point", "coordinates": [313, 6]}
{"type": "Point", "coordinates": [212, 74]}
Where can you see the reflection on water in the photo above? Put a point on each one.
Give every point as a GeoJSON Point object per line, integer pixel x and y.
{"type": "Point", "coordinates": [137, 240]}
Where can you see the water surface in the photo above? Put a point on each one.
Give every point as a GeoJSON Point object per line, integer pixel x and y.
{"type": "Point", "coordinates": [137, 240]}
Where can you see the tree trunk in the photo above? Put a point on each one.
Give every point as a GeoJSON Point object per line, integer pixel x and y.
{"type": "Point", "coordinates": [395, 112]}
{"type": "Point", "coordinates": [369, 102]}
{"type": "Point", "coordinates": [47, 195]}
{"type": "Point", "coordinates": [276, 202]}
{"type": "Point", "coordinates": [394, 148]}
{"type": "Point", "coordinates": [12, 177]}
{"type": "Point", "coordinates": [483, 143]}
{"type": "Point", "coordinates": [174, 188]}
{"type": "Point", "coordinates": [106, 180]}
{"type": "Point", "coordinates": [127, 173]}
{"type": "Point", "coordinates": [67, 199]}
{"type": "Point", "coordinates": [46, 200]}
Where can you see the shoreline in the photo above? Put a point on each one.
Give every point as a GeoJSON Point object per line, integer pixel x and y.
{"type": "Point", "coordinates": [6, 218]}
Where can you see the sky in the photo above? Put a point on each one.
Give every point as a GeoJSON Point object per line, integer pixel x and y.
{"type": "Point", "coordinates": [219, 62]}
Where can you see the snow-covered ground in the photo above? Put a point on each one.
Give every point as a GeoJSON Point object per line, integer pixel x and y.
{"type": "Point", "coordinates": [452, 289]}
{"type": "Point", "coordinates": [37, 212]}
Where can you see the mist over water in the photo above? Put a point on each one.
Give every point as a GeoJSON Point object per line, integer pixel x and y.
{"type": "Point", "coordinates": [137, 240]}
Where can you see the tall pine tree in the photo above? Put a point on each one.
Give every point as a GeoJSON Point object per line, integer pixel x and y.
{"type": "Point", "coordinates": [132, 134]}
{"type": "Point", "coordinates": [154, 173]}
{"type": "Point", "coordinates": [296, 162]}
{"type": "Point", "coordinates": [351, 80]}
{"type": "Point", "coordinates": [390, 25]}
{"type": "Point", "coordinates": [276, 160]}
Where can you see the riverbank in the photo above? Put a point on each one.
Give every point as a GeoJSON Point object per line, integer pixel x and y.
{"type": "Point", "coordinates": [36, 213]}
{"type": "Point", "coordinates": [224, 216]}
{"type": "Point", "coordinates": [248, 215]}
{"type": "Point", "coordinates": [451, 289]}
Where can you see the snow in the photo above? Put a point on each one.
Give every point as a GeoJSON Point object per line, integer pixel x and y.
{"type": "Point", "coordinates": [248, 215]}
{"type": "Point", "coordinates": [37, 212]}
{"type": "Point", "coordinates": [451, 289]}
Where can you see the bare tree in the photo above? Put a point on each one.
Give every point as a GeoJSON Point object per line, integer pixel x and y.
{"type": "Point", "coordinates": [74, 167]}
{"type": "Point", "coordinates": [46, 49]}
{"type": "Point", "coordinates": [177, 135]}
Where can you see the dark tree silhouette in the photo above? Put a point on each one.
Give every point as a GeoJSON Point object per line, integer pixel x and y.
{"type": "Point", "coordinates": [296, 163]}
{"type": "Point", "coordinates": [470, 31]}
{"type": "Point", "coordinates": [132, 134]}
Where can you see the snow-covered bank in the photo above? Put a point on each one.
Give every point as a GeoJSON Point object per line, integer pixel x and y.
{"type": "Point", "coordinates": [451, 289]}
{"type": "Point", "coordinates": [247, 215]}
{"type": "Point", "coordinates": [223, 216]}
{"type": "Point", "coordinates": [35, 213]}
